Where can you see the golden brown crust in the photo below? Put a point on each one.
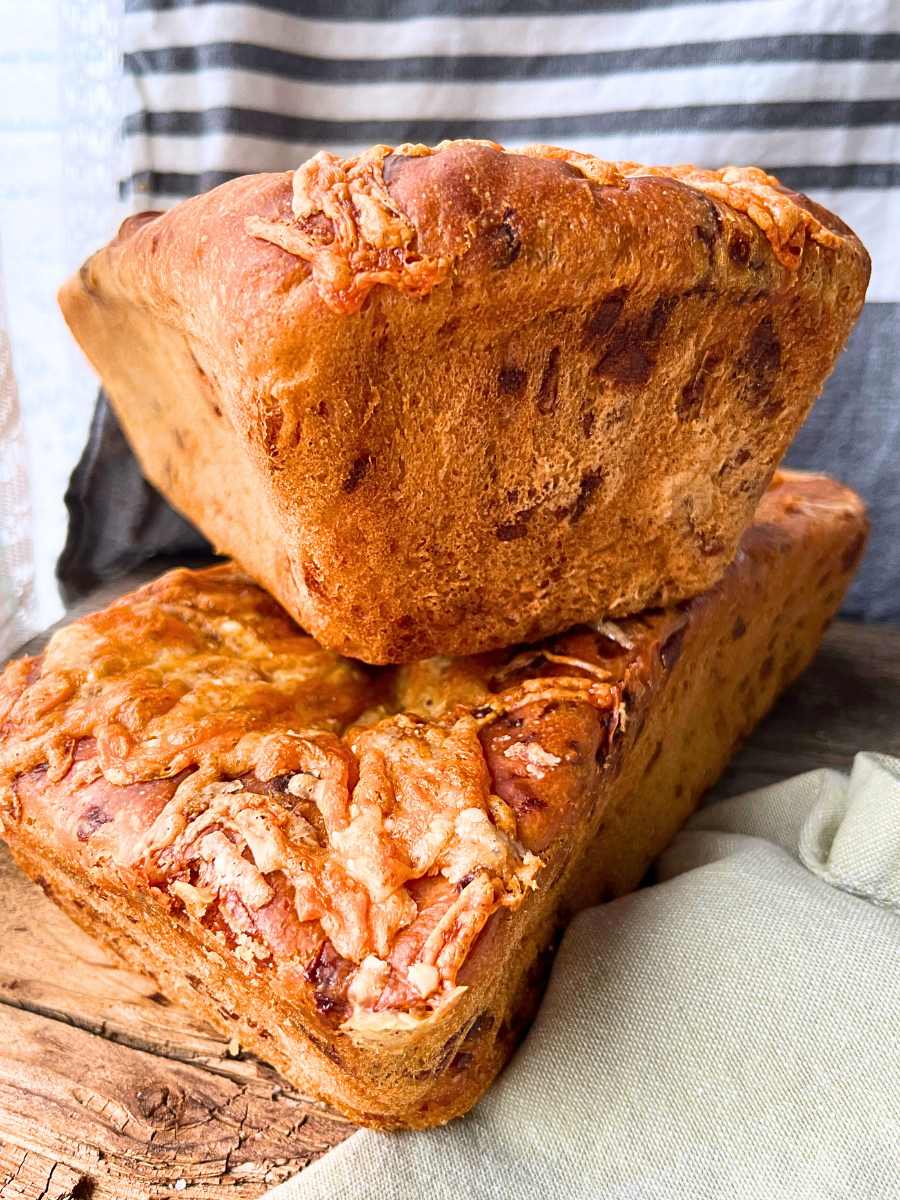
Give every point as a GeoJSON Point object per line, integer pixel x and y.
{"type": "Point", "coordinates": [347, 226]}
{"type": "Point", "coordinates": [194, 741]}
{"type": "Point", "coordinates": [584, 753]}
{"type": "Point", "coordinates": [492, 364]}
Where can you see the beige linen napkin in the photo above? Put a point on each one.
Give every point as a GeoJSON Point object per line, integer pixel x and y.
{"type": "Point", "coordinates": [733, 1030]}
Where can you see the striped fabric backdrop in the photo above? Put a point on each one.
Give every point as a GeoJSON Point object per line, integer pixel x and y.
{"type": "Point", "coordinates": [809, 90]}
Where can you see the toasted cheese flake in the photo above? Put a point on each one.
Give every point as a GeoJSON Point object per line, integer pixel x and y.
{"type": "Point", "coordinates": [424, 977]}
{"type": "Point", "coordinates": [615, 633]}
{"type": "Point", "coordinates": [196, 900]}
{"type": "Point", "coordinates": [368, 982]}
{"type": "Point", "coordinates": [534, 757]}
{"type": "Point", "coordinates": [393, 1029]}
{"type": "Point", "coordinates": [580, 664]}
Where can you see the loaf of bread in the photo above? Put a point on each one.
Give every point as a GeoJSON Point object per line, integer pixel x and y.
{"type": "Point", "coordinates": [439, 401]}
{"type": "Point", "coordinates": [357, 872]}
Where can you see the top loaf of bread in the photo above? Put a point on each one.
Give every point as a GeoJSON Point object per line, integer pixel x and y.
{"type": "Point", "coordinates": [440, 400]}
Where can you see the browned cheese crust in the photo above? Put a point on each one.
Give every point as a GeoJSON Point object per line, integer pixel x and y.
{"type": "Point", "coordinates": [357, 872]}
{"type": "Point", "coordinates": [441, 400]}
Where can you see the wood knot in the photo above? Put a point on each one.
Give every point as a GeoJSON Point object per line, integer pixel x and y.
{"type": "Point", "coordinates": [159, 1105]}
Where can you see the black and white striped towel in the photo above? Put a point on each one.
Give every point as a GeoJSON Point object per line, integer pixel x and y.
{"type": "Point", "coordinates": [809, 90]}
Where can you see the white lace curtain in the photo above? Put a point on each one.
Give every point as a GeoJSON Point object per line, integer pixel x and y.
{"type": "Point", "coordinates": [59, 82]}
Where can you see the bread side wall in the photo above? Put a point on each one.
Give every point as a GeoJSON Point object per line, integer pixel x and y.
{"type": "Point", "coordinates": [177, 420]}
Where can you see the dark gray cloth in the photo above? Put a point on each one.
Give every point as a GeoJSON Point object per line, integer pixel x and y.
{"type": "Point", "coordinates": [853, 433]}
{"type": "Point", "coordinates": [117, 520]}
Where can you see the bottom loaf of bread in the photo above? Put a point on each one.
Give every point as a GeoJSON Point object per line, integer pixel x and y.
{"type": "Point", "coordinates": [359, 873]}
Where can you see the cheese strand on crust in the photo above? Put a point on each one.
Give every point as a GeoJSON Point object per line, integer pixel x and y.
{"type": "Point", "coordinates": [349, 230]}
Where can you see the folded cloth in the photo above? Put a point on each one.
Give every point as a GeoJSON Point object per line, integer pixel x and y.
{"type": "Point", "coordinates": [733, 1030]}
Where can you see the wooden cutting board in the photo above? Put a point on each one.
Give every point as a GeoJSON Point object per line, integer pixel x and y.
{"type": "Point", "coordinates": [109, 1092]}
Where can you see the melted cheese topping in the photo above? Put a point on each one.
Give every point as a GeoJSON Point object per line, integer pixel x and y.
{"type": "Point", "coordinates": [348, 228]}
{"type": "Point", "coordinates": [189, 738]}
{"type": "Point", "coordinates": [759, 196]}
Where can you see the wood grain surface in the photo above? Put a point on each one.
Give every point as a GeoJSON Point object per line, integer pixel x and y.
{"type": "Point", "coordinates": [109, 1092]}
